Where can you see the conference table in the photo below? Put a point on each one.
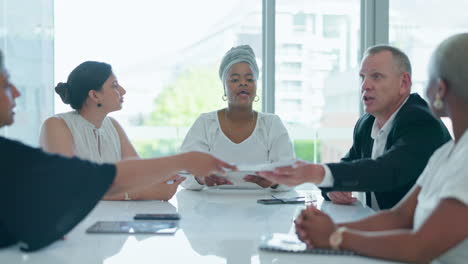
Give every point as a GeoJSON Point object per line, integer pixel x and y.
{"type": "Point", "coordinates": [216, 226]}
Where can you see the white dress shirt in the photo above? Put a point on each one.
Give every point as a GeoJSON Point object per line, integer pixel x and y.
{"type": "Point", "coordinates": [445, 176]}
{"type": "Point", "coordinates": [379, 135]}
{"type": "Point", "coordinates": [268, 143]}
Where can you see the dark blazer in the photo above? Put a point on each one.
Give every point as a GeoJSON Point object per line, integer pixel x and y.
{"type": "Point", "coordinates": [415, 135]}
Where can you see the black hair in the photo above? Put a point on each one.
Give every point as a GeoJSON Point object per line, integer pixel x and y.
{"type": "Point", "coordinates": [89, 75]}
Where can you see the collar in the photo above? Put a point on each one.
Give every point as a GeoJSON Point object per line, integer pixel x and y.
{"type": "Point", "coordinates": [388, 125]}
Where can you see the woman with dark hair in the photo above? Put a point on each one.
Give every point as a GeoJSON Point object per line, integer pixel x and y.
{"type": "Point", "coordinates": [45, 195]}
{"type": "Point", "coordinates": [93, 91]}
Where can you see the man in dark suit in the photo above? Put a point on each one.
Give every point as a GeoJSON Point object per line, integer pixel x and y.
{"type": "Point", "coordinates": [392, 142]}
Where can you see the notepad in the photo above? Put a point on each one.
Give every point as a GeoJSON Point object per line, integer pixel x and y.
{"type": "Point", "coordinates": [279, 242]}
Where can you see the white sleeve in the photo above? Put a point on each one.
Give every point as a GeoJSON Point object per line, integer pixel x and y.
{"type": "Point", "coordinates": [328, 179]}
{"type": "Point", "coordinates": [280, 145]}
{"type": "Point", "coordinates": [195, 140]}
{"type": "Point", "coordinates": [456, 183]}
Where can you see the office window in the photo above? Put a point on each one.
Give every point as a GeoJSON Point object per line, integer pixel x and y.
{"type": "Point", "coordinates": [417, 28]}
{"type": "Point", "coordinates": [166, 55]}
{"type": "Point", "coordinates": [307, 100]}
{"type": "Point", "coordinates": [291, 67]}
{"type": "Point", "coordinates": [26, 39]}
{"type": "Point", "coordinates": [291, 86]}
{"type": "Point", "coordinates": [335, 25]}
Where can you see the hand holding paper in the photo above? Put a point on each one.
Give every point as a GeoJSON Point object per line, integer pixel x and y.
{"type": "Point", "coordinates": [298, 173]}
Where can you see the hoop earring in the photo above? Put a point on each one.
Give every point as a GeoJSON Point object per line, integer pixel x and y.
{"type": "Point", "coordinates": [257, 98]}
{"type": "Point", "coordinates": [99, 105]}
{"type": "Point", "coordinates": [438, 104]}
{"type": "Point", "coordinates": [224, 97]}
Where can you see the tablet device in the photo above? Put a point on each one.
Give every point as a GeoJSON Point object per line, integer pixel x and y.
{"type": "Point", "coordinates": [133, 227]}
{"type": "Point", "coordinates": [157, 216]}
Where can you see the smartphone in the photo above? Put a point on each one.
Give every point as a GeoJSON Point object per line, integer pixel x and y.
{"type": "Point", "coordinates": [157, 216]}
{"type": "Point", "coordinates": [294, 200]}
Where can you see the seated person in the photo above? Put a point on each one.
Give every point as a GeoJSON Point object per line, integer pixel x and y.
{"type": "Point", "coordinates": [429, 224]}
{"type": "Point", "coordinates": [237, 133]}
{"type": "Point", "coordinates": [392, 142]}
{"type": "Point", "coordinates": [45, 195]}
{"type": "Point", "coordinates": [93, 92]}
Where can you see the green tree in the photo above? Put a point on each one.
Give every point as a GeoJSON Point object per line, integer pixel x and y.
{"type": "Point", "coordinates": [195, 91]}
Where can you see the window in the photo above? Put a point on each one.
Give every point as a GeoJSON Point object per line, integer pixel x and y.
{"type": "Point", "coordinates": [417, 28]}
{"type": "Point", "coordinates": [334, 26]}
{"type": "Point", "coordinates": [27, 42]}
{"type": "Point", "coordinates": [166, 56]}
{"type": "Point", "coordinates": [291, 86]}
{"type": "Point", "coordinates": [323, 75]}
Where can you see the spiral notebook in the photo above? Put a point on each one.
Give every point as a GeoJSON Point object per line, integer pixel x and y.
{"type": "Point", "coordinates": [290, 243]}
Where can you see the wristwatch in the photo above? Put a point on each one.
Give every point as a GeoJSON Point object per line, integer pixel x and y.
{"type": "Point", "coordinates": [336, 238]}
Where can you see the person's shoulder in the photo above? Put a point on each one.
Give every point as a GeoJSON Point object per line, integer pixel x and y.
{"type": "Point", "coordinates": [66, 115]}
{"type": "Point", "coordinates": [415, 109]}
{"type": "Point", "coordinates": [364, 123]}
{"type": "Point", "coordinates": [15, 149]}
{"type": "Point", "coordinates": [269, 117]}
{"type": "Point", "coordinates": [113, 121]}
{"type": "Point", "coordinates": [55, 123]}
{"type": "Point", "coordinates": [209, 117]}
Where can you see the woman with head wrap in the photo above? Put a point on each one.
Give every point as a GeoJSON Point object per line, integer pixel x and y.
{"type": "Point", "coordinates": [237, 133]}
{"type": "Point", "coordinates": [43, 196]}
{"type": "Point", "coordinates": [93, 91]}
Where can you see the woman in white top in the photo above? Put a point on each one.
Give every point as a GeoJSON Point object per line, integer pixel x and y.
{"type": "Point", "coordinates": [93, 92]}
{"type": "Point", "coordinates": [237, 133]}
{"type": "Point", "coordinates": [430, 223]}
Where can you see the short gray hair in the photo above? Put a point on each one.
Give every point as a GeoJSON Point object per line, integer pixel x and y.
{"type": "Point", "coordinates": [399, 56]}
{"type": "Point", "coordinates": [449, 62]}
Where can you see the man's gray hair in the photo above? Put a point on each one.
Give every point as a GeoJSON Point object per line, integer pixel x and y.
{"type": "Point", "coordinates": [399, 56]}
{"type": "Point", "coordinates": [449, 62]}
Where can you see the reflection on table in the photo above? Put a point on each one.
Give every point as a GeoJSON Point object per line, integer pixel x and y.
{"type": "Point", "coordinates": [216, 226]}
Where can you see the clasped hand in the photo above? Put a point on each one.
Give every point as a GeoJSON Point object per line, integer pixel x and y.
{"type": "Point", "coordinates": [314, 227]}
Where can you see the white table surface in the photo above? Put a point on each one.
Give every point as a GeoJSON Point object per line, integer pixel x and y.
{"type": "Point", "coordinates": [216, 226]}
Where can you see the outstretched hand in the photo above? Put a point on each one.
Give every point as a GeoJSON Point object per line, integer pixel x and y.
{"type": "Point", "coordinates": [201, 164]}
{"type": "Point", "coordinates": [264, 183]}
{"type": "Point", "coordinates": [300, 172]}
{"type": "Point", "coordinates": [213, 180]}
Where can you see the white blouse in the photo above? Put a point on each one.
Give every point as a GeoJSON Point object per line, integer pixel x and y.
{"type": "Point", "coordinates": [101, 145]}
{"type": "Point", "coordinates": [268, 143]}
{"type": "Point", "coordinates": [445, 176]}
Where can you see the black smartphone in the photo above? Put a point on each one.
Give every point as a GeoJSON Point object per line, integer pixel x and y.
{"type": "Point", "coordinates": [294, 200]}
{"type": "Point", "coordinates": [157, 216]}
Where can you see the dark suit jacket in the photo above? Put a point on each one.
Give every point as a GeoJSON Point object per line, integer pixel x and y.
{"type": "Point", "coordinates": [415, 135]}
